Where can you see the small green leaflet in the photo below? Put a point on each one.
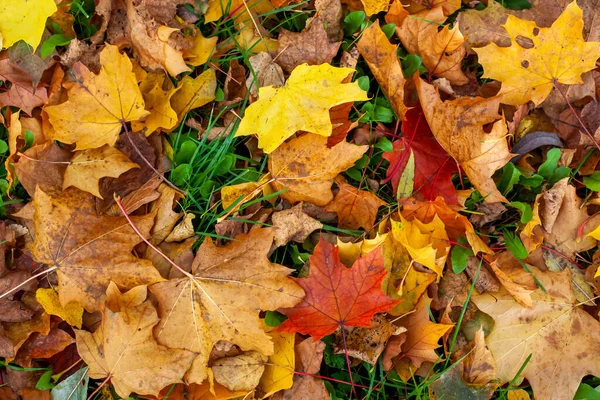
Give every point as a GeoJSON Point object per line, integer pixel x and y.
{"type": "Point", "coordinates": [460, 254]}
{"type": "Point", "coordinates": [514, 245]}
{"type": "Point", "coordinates": [592, 182]}
{"type": "Point", "coordinates": [526, 211]}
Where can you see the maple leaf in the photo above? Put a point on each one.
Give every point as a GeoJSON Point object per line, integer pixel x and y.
{"type": "Point", "coordinates": [415, 6]}
{"type": "Point", "coordinates": [87, 167]}
{"type": "Point", "coordinates": [123, 348]}
{"type": "Point", "coordinates": [157, 100]}
{"type": "Point", "coordinates": [98, 105]}
{"type": "Point", "coordinates": [195, 92]}
{"type": "Point", "coordinates": [43, 346]}
{"type": "Point", "coordinates": [554, 322]}
{"type": "Point", "coordinates": [24, 20]}
{"type": "Point", "coordinates": [22, 93]}
{"type": "Point", "coordinates": [433, 165]}
{"type": "Point", "coordinates": [441, 50]}
{"type": "Point", "coordinates": [381, 57]}
{"type": "Point", "coordinates": [458, 127]}
{"type": "Point", "coordinates": [310, 46]}
{"type": "Point", "coordinates": [422, 335]}
{"type": "Point", "coordinates": [559, 54]}
{"type": "Point", "coordinates": [355, 208]}
{"type": "Point", "coordinates": [279, 368]}
{"type": "Point", "coordinates": [221, 300]}
{"type": "Point", "coordinates": [337, 296]}
{"type": "Point", "coordinates": [74, 240]}
{"type": "Point", "coordinates": [202, 50]}
{"type": "Point", "coordinates": [306, 167]}
{"type": "Point", "coordinates": [72, 313]}
{"type": "Point", "coordinates": [42, 166]}
{"type": "Point", "coordinates": [293, 224]}
{"type": "Point", "coordinates": [302, 104]}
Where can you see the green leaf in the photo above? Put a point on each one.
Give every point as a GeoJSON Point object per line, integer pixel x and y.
{"type": "Point", "coordinates": [207, 188]}
{"type": "Point", "coordinates": [75, 387]}
{"type": "Point", "coordinates": [52, 42]}
{"type": "Point", "coordinates": [459, 255]}
{"type": "Point", "coordinates": [547, 168]}
{"type": "Point", "coordinates": [45, 381]}
{"type": "Point", "coordinates": [510, 177]}
{"type": "Point", "coordinates": [389, 30]}
{"type": "Point", "coordinates": [353, 21]}
{"type": "Point", "coordinates": [29, 139]}
{"type": "Point", "coordinates": [592, 182]}
{"type": "Point", "coordinates": [181, 174]}
{"type": "Point", "coordinates": [3, 147]}
{"type": "Point", "coordinates": [385, 145]}
{"type": "Point", "coordinates": [274, 318]}
{"type": "Point", "coordinates": [225, 165]}
{"type": "Point", "coordinates": [559, 173]}
{"type": "Point", "coordinates": [586, 392]}
{"type": "Point", "coordinates": [354, 174]}
{"type": "Point", "coordinates": [533, 181]}
{"type": "Point", "coordinates": [186, 152]}
{"type": "Point", "coordinates": [526, 211]}
{"type": "Point", "coordinates": [514, 245]}
{"type": "Point", "coordinates": [219, 94]}
{"type": "Point", "coordinates": [411, 64]}
{"type": "Point", "coordinates": [364, 83]}
{"type": "Point", "coordinates": [516, 4]}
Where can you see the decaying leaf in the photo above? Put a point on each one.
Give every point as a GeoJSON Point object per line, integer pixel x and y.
{"type": "Point", "coordinates": [293, 224]}
{"type": "Point", "coordinates": [354, 207]}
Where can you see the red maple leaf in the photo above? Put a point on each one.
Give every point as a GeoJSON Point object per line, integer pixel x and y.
{"type": "Point", "coordinates": [433, 165]}
{"type": "Point", "coordinates": [337, 296]}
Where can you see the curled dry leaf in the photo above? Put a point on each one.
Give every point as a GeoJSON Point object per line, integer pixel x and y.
{"type": "Point", "coordinates": [293, 224]}
{"type": "Point", "coordinates": [240, 373]}
{"type": "Point", "coordinates": [311, 46]}
{"type": "Point", "coordinates": [123, 349]}
{"type": "Point", "coordinates": [22, 93]}
{"type": "Point", "coordinates": [458, 127]}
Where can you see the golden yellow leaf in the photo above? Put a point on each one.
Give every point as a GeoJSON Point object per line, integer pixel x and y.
{"type": "Point", "coordinates": [302, 104]}
{"type": "Point", "coordinates": [194, 92]}
{"type": "Point", "coordinates": [375, 6]}
{"type": "Point", "coordinates": [305, 167]}
{"type": "Point", "coordinates": [202, 50]}
{"type": "Point", "coordinates": [222, 299]}
{"type": "Point", "coordinates": [243, 191]}
{"type": "Point", "coordinates": [458, 127]}
{"type": "Point", "coordinates": [123, 349]}
{"type": "Point", "coordinates": [253, 42]}
{"type": "Point", "coordinates": [87, 167]}
{"type": "Point", "coordinates": [427, 243]}
{"type": "Point", "coordinates": [279, 368]}
{"type": "Point", "coordinates": [351, 251]}
{"type": "Point", "coordinates": [240, 10]}
{"type": "Point", "coordinates": [24, 20]}
{"type": "Point", "coordinates": [415, 6]}
{"type": "Point", "coordinates": [71, 313]}
{"type": "Point", "coordinates": [559, 54]}
{"type": "Point", "coordinates": [98, 105]}
{"type": "Point", "coordinates": [157, 91]}
{"type": "Point", "coordinates": [561, 337]}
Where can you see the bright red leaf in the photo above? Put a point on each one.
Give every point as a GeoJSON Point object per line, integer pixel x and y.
{"type": "Point", "coordinates": [338, 296]}
{"type": "Point", "coordinates": [433, 166]}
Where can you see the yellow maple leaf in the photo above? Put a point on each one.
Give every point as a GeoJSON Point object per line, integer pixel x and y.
{"type": "Point", "coordinates": [302, 104]}
{"type": "Point", "coordinates": [194, 92]}
{"type": "Point", "coordinates": [98, 104]}
{"type": "Point", "coordinates": [279, 368]}
{"type": "Point", "coordinates": [559, 54]}
{"type": "Point", "coordinates": [157, 99]}
{"type": "Point", "coordinates": [71, 313]}
{"type": "Point", "coordinates": [24, 20]}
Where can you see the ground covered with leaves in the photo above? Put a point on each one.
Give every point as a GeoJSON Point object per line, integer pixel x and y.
{"type": "Point", "coordinates": [248, 199]}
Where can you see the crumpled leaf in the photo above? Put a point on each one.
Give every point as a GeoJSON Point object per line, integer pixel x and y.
{"type": "Point", "coordinates": [98, 105]}
{"type": "Point", "coordinates": [458, 127]}
{"type": "Point", "coordinates": [293, 224]}
{"type": "Point", "coordinates": [354, 207]}
{"type": "Point", "coordinates": [230, 284]}
{"type": "Point", "coordinates": [306, 167]}
{"type": "Point", "coordinates": [302, 104]}
{"type": "Point", "coordinates": [241, 372]}
{"type": "Point", "coordinates": [43, 346]}
{"type": "Point", "coordinates": [337, 296]}
{"type": "Point", "coordinates": [157, 100]}
{"type": "Point", "coordinates": [433, 165]}
{"type": "Point", "coordinates": [70, 236]}
{"type": "Point", "coordinates": [441, 50]}
{"type": "Point", "coordinates": [381, 57]}
{"type": "Point", "coordinates": [554, 322]}
{"type": "Point", "coordinates": [87, 167]}
{"type": "Point", "coordinates": [24, 20]}
{"type": "Point", "coordinates": [22, 93]}
{"type": "Point", "coordinates": [123, 349]}
{"type": "Point", "coordinates": [559, 54]}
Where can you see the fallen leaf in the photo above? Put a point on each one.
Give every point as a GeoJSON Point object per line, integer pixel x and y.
{"type": "Point", "coordinates": [306, 167]}
{"type": "Point", "coordinates": [87, 167]}
{"type": "Point", "coordinates": [521, 294]}
{"type": "Point", "coordinates": [202, 50]}
{"type": "Point", "coordinates": [293, 225]}
{"type": "Point", "coordinates": [240, 373]}
{"type": "Point", "coordinates": [554, 322]}
{"type": "Point", "coordinates": [337, 296]}
{"type": "Point", "coordinates": [22, 93]}
{"type": "Point", "coordinates": [301, 104]}
{"type": "Point", "coordinates": [311, 46]}
{"type": "Point", "coordinates": [183, 230]}
{"type": "Point", "coordinates": [415, 6]}
{"type": "Point", "coordinates": [433, 168]}
{"type": "Point", "coordinates": [195, 92]}
{"type": "Point", "coordinates": [71, 313]}
{"type": "Point", "coordinates": [24, 20]}
{"type": "Point", "coordinates": [381, 57]}
{"type": "Point", "coordinates": [230, 284]}
{"type": "Point", "coordinates": [458, 127]}
{"type": "Point", "coordinates": [529, 74]}
{"type": "Point", "coordinates": [354, 207]}
{"type": "Point", "coordinates": [31, 62]}
{"type": "Point", "coordinates": [265, 72]}
{"type": "Point", "coordinates": [73, 239]}
{"type": "Point", "coordinates": [134, 362]}
{"type": "Point", "coordinates": [441, 50]}
{"type": "Point", "coordinates": [479, 366]}
{"type": "Point", "coordinates": [43, 346]}
{"type": "Point", "coordinates": [157, 100]}
{"type": "Point", "coordinates": [42, 166]}
{"type": "Point", "coordinates": [279, 368]}
{"type": "Point", "coordinates": [98, 105]}
{"type": "Point", "coordinates": [450, 384]}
